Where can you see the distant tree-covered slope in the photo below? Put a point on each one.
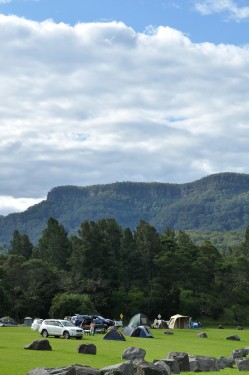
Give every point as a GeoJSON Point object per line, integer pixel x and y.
{"type": "Point", "coordinates": [219, 202]}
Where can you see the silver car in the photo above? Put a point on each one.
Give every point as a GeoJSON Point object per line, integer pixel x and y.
{"type": "Point", "coordinates": [60, 327]}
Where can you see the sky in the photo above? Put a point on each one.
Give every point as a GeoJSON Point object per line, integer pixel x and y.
{"type": "Point", "coordinates": [99, 91]}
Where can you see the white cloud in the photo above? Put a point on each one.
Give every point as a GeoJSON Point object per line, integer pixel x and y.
{"type": "Point", "coordinates": [229, 7]}
{"type": "Point", "coordinates": [98, 103]}
{"type": "Point", "coordinates": [10, 204]}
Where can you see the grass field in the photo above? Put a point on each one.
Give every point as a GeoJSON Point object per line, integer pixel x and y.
{"type": "Point", "coordinates": [15, 360]}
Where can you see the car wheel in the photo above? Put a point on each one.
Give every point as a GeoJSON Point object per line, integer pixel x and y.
{"type": "Point", "coordinates": [78, 338]}
{"type": "Point", "coordinates": [45, 333]}
{"type": "Point", "coordinates": [66, 335]}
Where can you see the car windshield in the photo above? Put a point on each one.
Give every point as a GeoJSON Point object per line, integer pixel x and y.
{"type": "Point", "coordinates": [66, 323]}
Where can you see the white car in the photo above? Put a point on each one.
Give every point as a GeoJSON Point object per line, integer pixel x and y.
{"type": "Point", "coordinates": [36, 324]}
{"type": "Point", "coordinates": [60, 327]}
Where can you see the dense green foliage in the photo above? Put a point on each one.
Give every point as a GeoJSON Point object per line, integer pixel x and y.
{"type": "Point", "coordinates": [16, 360]}
{"type": "Point", "coordinates": [218, 203]}
{"type": "Point", "coordinates": [110, 270]}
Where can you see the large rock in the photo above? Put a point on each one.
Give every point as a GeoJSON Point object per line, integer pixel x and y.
{"type": "Point", "coordinates": [142, 367]}
{"type": "Point", "coordinates": [164, 366]}
{"type": "Point", "coordinates": [172, 363]}
{"type": "Point", "coordinates": [69, 370]}
{"type": "Point", "coordinates": [132, 353]}
{"type": "Point", "coordinates": [238, 353]}
{"type": "Point", "coordinates": [204, 364]}
{"type": "Point", "coordinates": [202, 334]}
{"type": "Point", "coordinates": [87, 349]}
{"type": "Point", "coordinates": [233, 337]}
{"type": "Point", "coordinates": [39, 345]}
{"type": "Point", "coordinates": [182, 358]}
{"type": "Point", "coordinates": [242, 364]}
{"type": "Point", "coordinates": [125, 368]}
{"type": "Point", "coordinates": [225, 362]}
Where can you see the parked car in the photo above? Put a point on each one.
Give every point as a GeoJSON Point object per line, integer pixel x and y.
{"type": "Point", "coordinates": [98, 324]}
{"type": "Point", "coordinates": [8, 323]}
{"type": "Point", "coordinates": [59, 327]}
{"type": "Point", "coordinates": [36, 324]}
{"type": "Point", "coordinates": [77, 319]}
{"type": "Point", "coordinates": [107, 322]}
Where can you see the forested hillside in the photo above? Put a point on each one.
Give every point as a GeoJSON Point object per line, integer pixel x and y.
{"type": "Point", "coordinates": [219, 202]}
{"type": "Point", "coordinates": [107, 269]}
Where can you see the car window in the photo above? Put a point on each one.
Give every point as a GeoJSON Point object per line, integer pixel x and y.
{"type": "Point", "coordinates": [67, 324]}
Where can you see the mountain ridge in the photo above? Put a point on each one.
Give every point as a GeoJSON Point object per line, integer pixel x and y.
{"type": "Point", "coordinates": [218, 202]}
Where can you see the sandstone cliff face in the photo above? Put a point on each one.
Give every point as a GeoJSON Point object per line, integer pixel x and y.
{"type": "Point", "coordinates": [218, 202]}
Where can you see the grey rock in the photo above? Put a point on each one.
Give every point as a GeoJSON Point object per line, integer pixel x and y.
{"type": "Point", "coordinates": [164, 366]}
{"type": "Point", "coordinates": [224, 362]}
{"type": "Point", "coordinates": [39, 345]}
{"type": "Point", "coordinates": [87, 349]}
{"type": "Point", "coordinates": [238, 353]}
{"type": "Point", "coordinates": [182, 358]}
{"type": "Point", "coordinates": [202, 334]}
{"type": "Point", "coordinates": [173, 365]}
{"type": "Point", "coordinates": [132, 353]}
{"type": "Point", "coordinates": [206, 363]}
{"type": "Point", "coordinates": [146, 368]}
{"type": "Point", "coordinates": [242, 364]}
{"type": "Point", "coordinates": [69, 370]}
{"type": "Point", "coordinates": [125, 368]}
{"type": "Point", "coordinates": [233, 337]}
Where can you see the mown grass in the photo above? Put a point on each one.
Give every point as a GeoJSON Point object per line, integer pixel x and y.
{"type": "Point", "coordinates": [15, 360]}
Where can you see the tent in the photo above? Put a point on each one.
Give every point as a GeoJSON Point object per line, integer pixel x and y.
{"type": "Point", "coordinates": [141, 331]}
{"type": "Point", "coordinates": [114, 334]}
{"type": "Point", "coordinates": [127, 330]}
{"type": "Point", "coordinates": [139, 320]}
{"type": "Point", "coordinates": [179, 321]}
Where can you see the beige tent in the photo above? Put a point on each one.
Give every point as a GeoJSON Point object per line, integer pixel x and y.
{"type": "Point", "coordinates": [179, 321]}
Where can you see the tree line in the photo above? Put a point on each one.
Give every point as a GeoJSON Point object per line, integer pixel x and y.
{"type": "Point", "coordinates": [110, 270]}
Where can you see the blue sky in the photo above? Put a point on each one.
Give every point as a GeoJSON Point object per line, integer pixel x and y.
{"type": "Point", "coordinates": [217, 21]}
{"type": "Point", "coordinates": [98, 91]}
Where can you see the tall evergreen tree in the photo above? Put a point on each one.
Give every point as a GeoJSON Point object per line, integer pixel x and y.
{"type": "Point", "coordinates": [21, 245]}
{"type": "Point", "coordinates": [54, 246]}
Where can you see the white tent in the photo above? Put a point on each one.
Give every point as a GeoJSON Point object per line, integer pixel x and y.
{"type": "Point", "coordinates": [179, 321]}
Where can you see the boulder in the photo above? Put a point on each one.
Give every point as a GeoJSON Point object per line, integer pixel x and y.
{"type": "Point", "coordinates": [202, 334]}
{"type": "Point", "coordinates": [168, 332]}
{"type": "Point", "coordinates": [182, 358]}
{"type": "Point", "coordinates": [224, 362]}
{"type": "Point", "coordinates": [173, 365]}
{"type": "Point", "coordinates": [69, 370]}
{"type": "Point", "coordinates": [132, 353]}
{"type": "Point", "coordinates": [87, 349]}
{"type": "Point", "coordinates": [39, 345]}
{"type": "Point", "coordinates": [242, 364]}
{"type": "Point", "coordinates": [233, 337]}
{"type": "Point", "coordinates": [142, 367]}
{"type": "Point", "coordinates": [238, 353]}
{"type": "Point", "coordinates": [164, 366]}
{"type": "Point", "coordinates": [205, 363]}
{"type": "Point", "coordinates": [125, 368]}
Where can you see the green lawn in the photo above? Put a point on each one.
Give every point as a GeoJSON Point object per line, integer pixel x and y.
{"type": "Point", "coordinates": [15, 360]}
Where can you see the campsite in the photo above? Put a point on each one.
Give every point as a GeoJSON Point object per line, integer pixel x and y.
{"type": "Point", "coordinates": [64, 352]}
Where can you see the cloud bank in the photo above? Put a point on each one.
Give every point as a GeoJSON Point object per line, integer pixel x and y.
{"type": "Point", "coordinates": [98, 103]}
{"type": "Point", "coordinates": [229, 7]}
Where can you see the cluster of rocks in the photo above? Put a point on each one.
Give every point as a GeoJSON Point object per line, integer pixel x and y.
{"type": "Point", "coordinates": [135, 363]}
